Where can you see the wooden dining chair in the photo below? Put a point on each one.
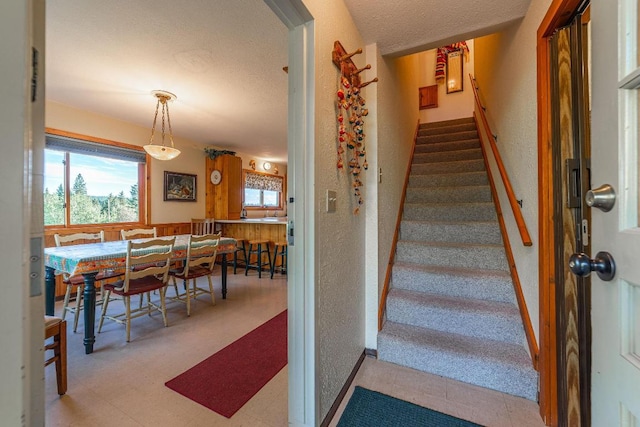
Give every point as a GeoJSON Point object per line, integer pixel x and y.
{"type": "Point", "coordinates": [56, 328]}
{"type": "Point", "coordinates": [78, 280]}
{"type": "Point", "coordinates": [201, 257]}
{"type": "Point", "coordinates": [138, 233]}
{"type": "Point", "coordinates": [153, 259]}
{"type": "Point", "coordinates": [202, 226]}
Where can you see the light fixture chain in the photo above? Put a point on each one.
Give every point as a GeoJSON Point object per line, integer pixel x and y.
{"type": "Point", "coordinates": [169, 124]}
{"type": "Point", "coordinates": [155, 118]}
{"type": "Point", "coordinates": [164, 106]}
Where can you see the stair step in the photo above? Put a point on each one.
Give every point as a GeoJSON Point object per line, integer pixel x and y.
{"type": "Point", "coordinates": [474, 165]}
{"type": "Point", "coordinates": [467, 255]}
{"type": "Point", "coordinates": [477, 318]}
{"type": "Point", "coordinates": [469, 193]}
{"type": "Point", "coordinates": [485, 211]}
{"type": "Point", "coordinates": [443, 123]}
{"type": "Point", "coordinates": [448, 156]}
{"type": "Point", "coordinates": [490, 285]}
{"type": "Point", "coordinates": [448, 179]}
{"type": "Point", "coordinates": [446, 146]}
{"type": "Point", "coordinates": [483, 232]}
{"type": "Point", "coordinates": [450, 128]}
{"type": "Point", "coordinates": [453, 136]}
{"type": "Point", "coordinates": [486, 363]}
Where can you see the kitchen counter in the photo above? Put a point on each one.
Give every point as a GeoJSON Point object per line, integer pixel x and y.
{"type": "Point", "coordinates": [266, 221]}
{"type": "Point", "coordinates": [272, 229]}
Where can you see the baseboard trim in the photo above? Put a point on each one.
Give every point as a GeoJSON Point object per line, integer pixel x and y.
{"type": "Point", "coordinates": [371, 352]}
{"type": "Point", "coordinates": [343, 391]}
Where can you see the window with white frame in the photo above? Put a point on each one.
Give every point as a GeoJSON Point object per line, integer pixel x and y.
{"type": "Point", "coordinates": [262, 190]}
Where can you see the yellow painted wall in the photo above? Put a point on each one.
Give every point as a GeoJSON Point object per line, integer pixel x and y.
{"type": "Point", "coordinates": [450, 105]}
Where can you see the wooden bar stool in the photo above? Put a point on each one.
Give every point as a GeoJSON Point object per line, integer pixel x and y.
{"type": "Point", "coordinates": [282, 246]}
{"type": "Point", "coordinates": [57, 328]}
{"type": "Point", "coordinates": [258, 247]}
{"type": "Point", "coordinates": [242, 248]}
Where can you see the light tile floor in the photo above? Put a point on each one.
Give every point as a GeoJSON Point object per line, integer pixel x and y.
{"type": "Point", "coordinates": [122, 384]}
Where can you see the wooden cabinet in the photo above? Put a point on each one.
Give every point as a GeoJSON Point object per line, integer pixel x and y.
{"type": "Point", "coordinates": [224, 200]}
{"type": "Point", "coordinates": [428, 97]}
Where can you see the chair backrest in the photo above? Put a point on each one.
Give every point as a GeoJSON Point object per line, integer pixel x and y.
{"type": "Point", "coordinates": [138, 233]}
{"type": "Point", "coordinates": [78, 238]}
{"type": "Point", "coordinates": [153, 258]}
{"type": "Point", "coordinates": [202, 226]}
{"type": "Point", "coordinates": [202, 250]}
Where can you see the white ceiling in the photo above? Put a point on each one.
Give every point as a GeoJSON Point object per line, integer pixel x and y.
{"type": "Point", "coordinates": [401, 27]}
{"type": "Point", "coordinates": [223, 59]}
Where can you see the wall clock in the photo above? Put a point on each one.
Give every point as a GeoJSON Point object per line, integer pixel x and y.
{"type": "Point", "coordinates": [216, 177]}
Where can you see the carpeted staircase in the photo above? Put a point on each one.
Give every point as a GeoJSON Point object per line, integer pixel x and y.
{"type": "Point", "coordinates": [451, 308]}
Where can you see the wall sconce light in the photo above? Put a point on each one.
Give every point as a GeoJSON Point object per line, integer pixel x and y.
{"type": "Point", "coordinates": [266, 166]}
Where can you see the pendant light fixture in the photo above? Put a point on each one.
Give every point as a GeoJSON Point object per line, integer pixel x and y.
{"type": "Point", "coordinates": [162, 152]}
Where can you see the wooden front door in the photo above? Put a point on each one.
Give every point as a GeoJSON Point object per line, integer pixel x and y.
{"type": "Point", "coordinates": [570, 100]}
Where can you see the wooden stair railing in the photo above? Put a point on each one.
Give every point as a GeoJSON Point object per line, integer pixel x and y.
{"type": "Point", "coordinates": [517, 213]}
{"type": "Point", "coordinates": [394, 244]}
{"type": "Point", "coordinates": [517, 286]}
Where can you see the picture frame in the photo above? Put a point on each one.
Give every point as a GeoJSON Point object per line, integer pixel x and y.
{"type": "Point", "coordinates": [180, 187]}
{"type": "Point", "coordinates": [455, 81]}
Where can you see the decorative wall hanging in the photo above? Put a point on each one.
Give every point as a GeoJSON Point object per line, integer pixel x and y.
{"type": "Point", "coordinates": [351, 111]}
{"type": "Point", "coordinates": [441, 58]}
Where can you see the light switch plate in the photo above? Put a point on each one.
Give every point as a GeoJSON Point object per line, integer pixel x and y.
{"type": "Point", "coordinates": [331, 200]}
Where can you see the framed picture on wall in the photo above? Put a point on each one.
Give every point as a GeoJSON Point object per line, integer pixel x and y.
{"type": "Point", "coordinates": [454, 71]}
{"type": "Point", "coordinates": [179, 187]}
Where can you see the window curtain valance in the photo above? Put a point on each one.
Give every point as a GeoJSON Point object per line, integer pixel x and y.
{"type": "Point", "coordinates": [258, 181]}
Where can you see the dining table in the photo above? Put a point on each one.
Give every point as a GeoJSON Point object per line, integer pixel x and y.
{"type": "Point", "coordinates": [91, 258]}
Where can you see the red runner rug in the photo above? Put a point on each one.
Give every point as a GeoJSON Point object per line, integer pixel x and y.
{"type": "Point", "coordinates": [227, 380]}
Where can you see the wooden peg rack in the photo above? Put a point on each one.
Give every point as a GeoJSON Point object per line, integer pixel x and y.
{"type": "Point", "coordinates": [346, 66]}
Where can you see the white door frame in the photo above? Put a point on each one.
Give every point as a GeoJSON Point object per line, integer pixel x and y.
{"type": "Point", "coordinates": [21, 169]}
{"type": "Point", "coordinates": [303, 399]}
{"type": "Point", "coordinates": [303, 402]}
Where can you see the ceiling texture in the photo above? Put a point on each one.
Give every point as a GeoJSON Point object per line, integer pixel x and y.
{"type": "Point", "coordinates": [223, 59]}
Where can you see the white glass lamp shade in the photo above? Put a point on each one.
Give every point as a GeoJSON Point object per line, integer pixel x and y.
{"type": "Point", "coordinates": [161, 152]}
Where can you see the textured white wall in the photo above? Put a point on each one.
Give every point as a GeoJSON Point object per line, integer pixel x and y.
{"type": "Point", "coordinates": [397, 120]}
{"type": "Point", "coordinates": [372, 276]}
{"type": "Point", "coordinates": [393, 116]}
{"type": "Point", "coordinates": [450, 105]}
{"type": "Point", "coordinates": [339, 236]}
{"type": "Point", "coordinates": [506, 72]}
